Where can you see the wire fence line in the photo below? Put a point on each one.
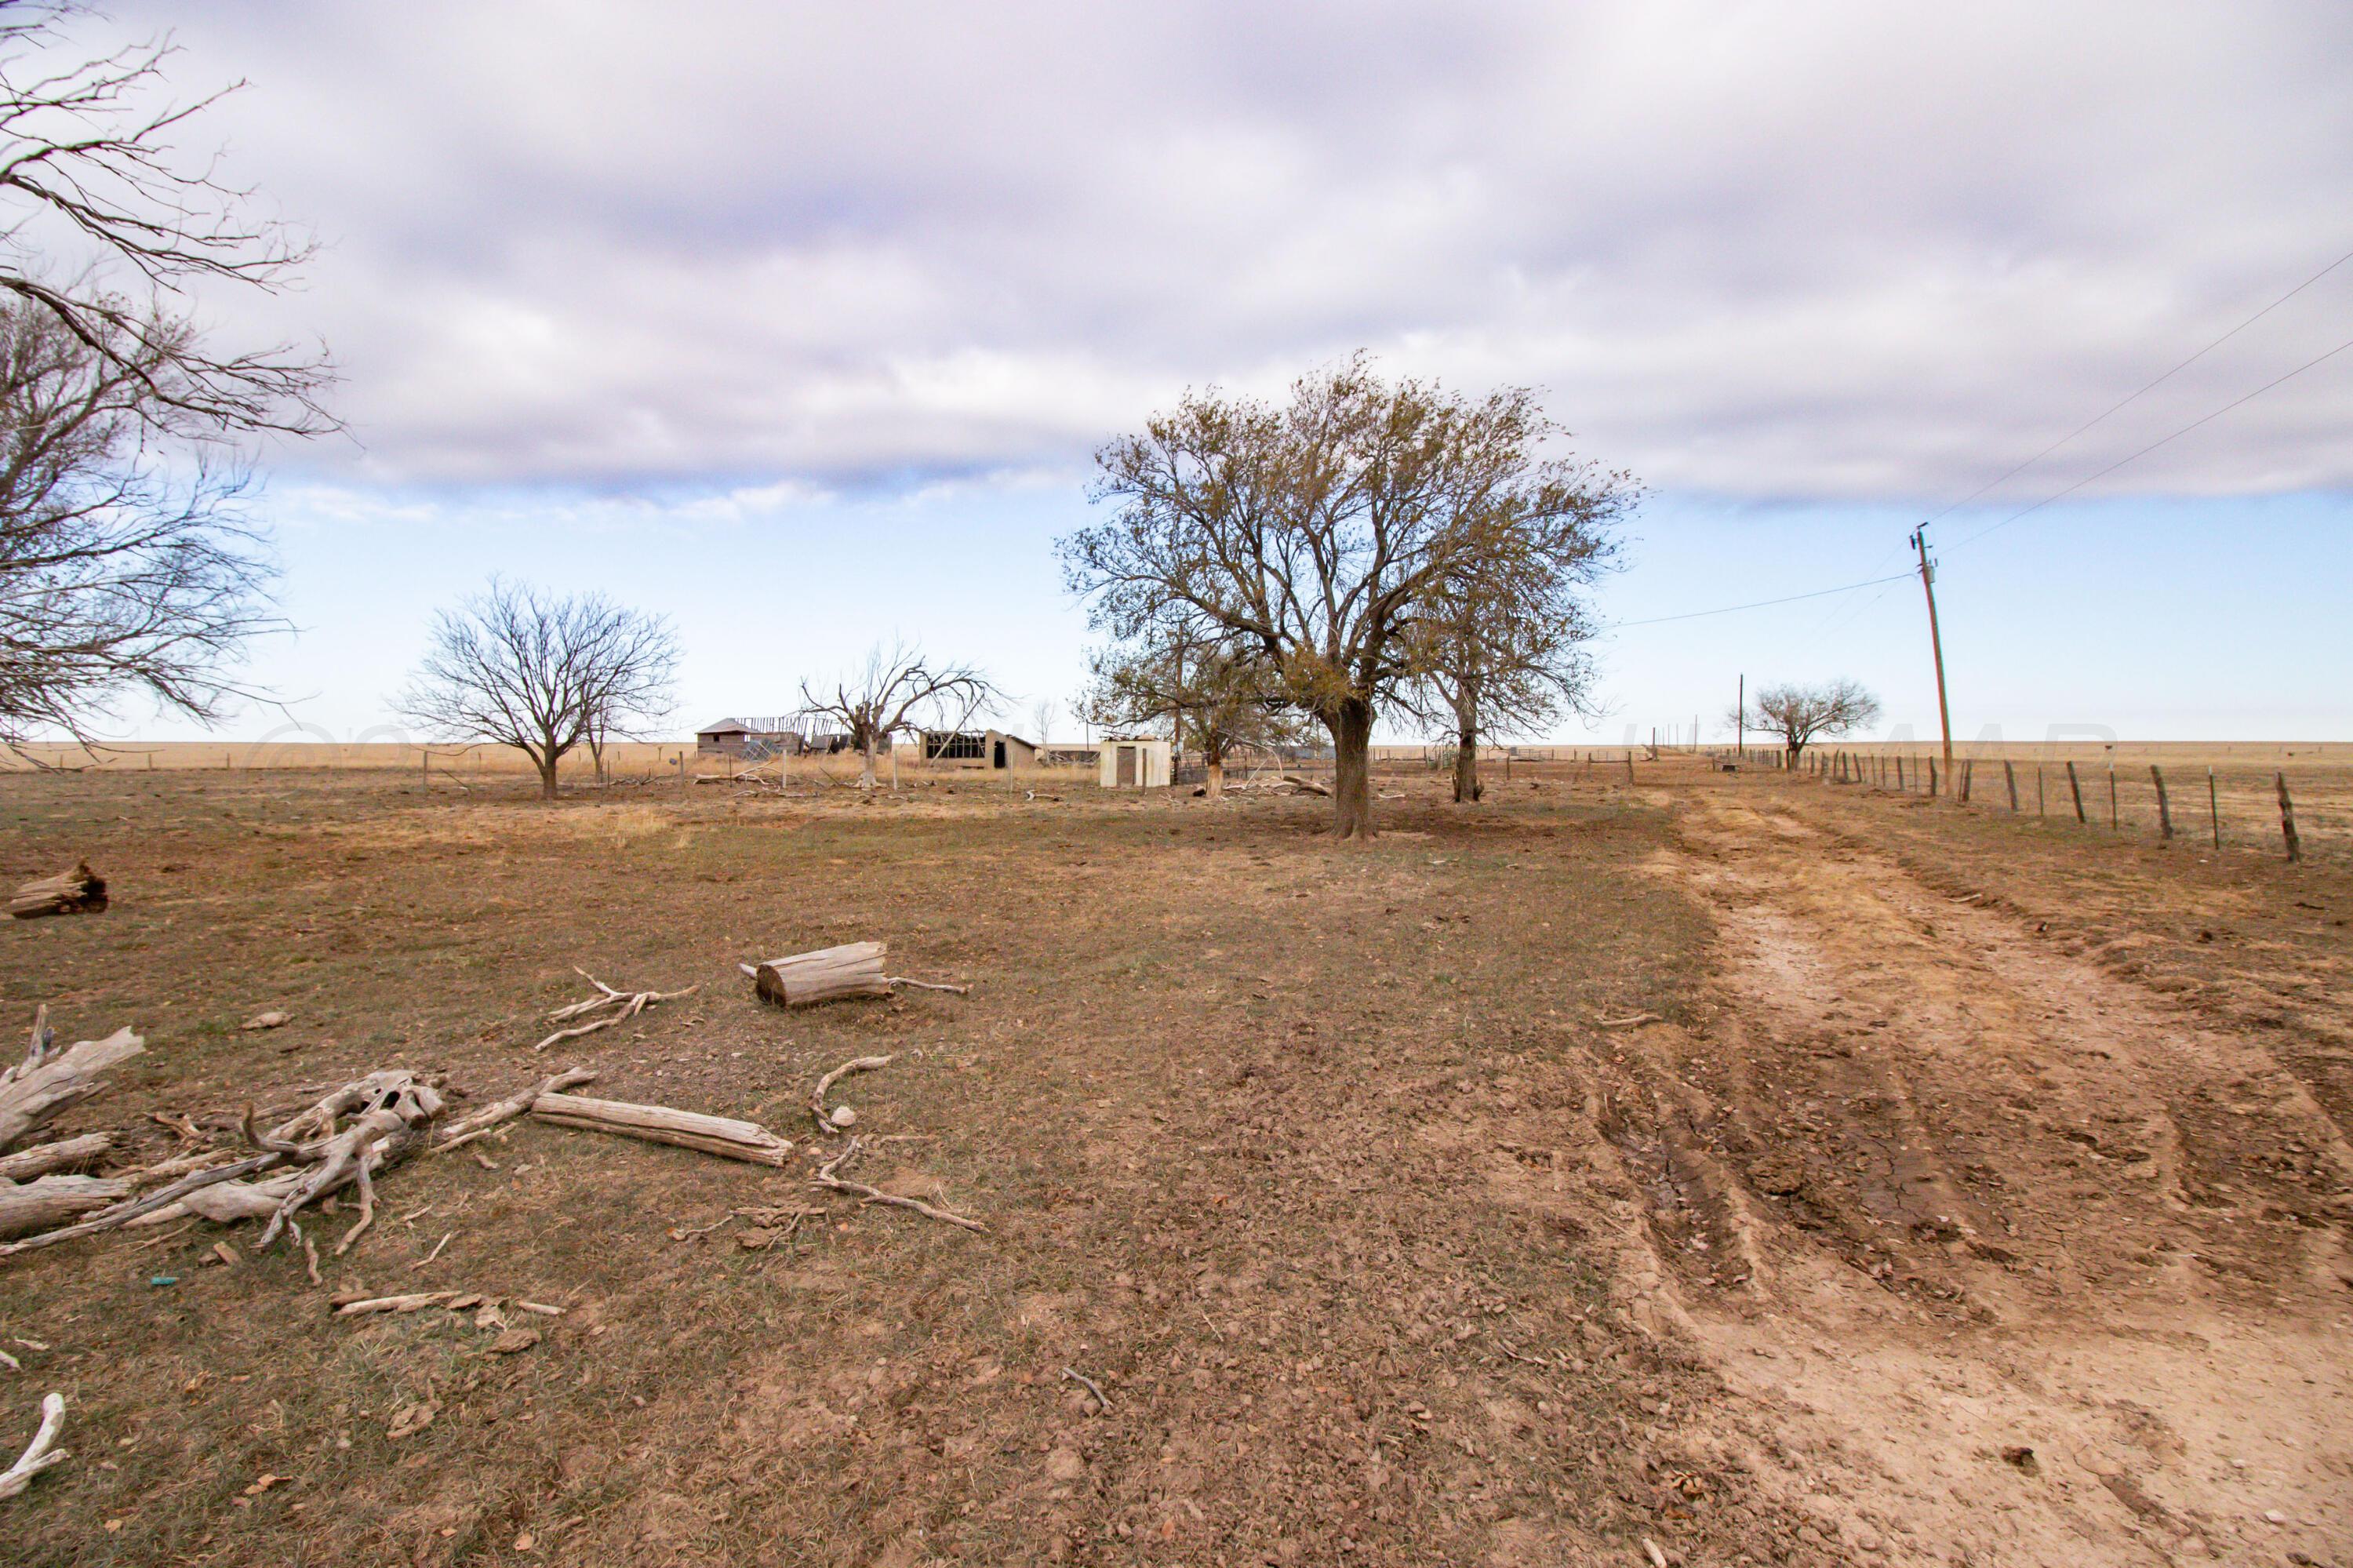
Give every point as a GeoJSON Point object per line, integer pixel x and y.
{"type": "Point", "coordinates": [2291, 811]}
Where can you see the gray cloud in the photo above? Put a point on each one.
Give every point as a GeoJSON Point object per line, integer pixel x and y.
{"type": "Point", "coordinates": [1837, 251]}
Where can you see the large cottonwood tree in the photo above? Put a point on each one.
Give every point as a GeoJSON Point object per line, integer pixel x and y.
{"type": "Point", "coordinates": [1318, 531]}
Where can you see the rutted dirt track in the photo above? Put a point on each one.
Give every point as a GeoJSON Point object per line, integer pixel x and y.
{"type": "Point", "coordinates": [2023, 1263]}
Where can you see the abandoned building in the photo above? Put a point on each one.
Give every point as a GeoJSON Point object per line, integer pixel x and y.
{"type": "Point", "coordinates": [755, 739]}
{"type": "Point", "coordinates": [991, 748]}
{"type": "Point", "coordinates": [1140, 763]}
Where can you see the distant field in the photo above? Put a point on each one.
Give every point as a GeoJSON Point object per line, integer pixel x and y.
{"type": "Point", "coordinates": [629, 760]}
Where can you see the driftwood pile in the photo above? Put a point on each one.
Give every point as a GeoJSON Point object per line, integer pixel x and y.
{"type": "Point", "coordinates": [76, 891]}
{"type": "Point", "coordinates": [832, 974]}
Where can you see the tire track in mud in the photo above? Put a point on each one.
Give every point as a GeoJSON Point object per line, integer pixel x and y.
{"type": "Point", "coordinates": [1933, 1194]}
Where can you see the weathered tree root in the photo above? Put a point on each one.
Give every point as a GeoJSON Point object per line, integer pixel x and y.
{"type": "Point", "coordinates": [394, 1108]}
{"type": "Point", "coordinates": [467, 1129]}
{"type": "Point", "coordinates": [826, 1178]}
{"type": "Point", "coordinates": [41, 1453]}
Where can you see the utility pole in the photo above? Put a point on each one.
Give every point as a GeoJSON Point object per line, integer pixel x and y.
{"type": "Point", "coordinates": [1740, 718]}
{"type": "Point", "coordinates": [1936, 641]}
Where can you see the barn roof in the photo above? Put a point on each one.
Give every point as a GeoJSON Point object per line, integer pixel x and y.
{"type": "Point", "coordinates": [724, 726]}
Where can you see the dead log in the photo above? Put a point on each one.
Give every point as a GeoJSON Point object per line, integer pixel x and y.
{"type": "Point", "coordinates": [30, 1206]}
{"type": "Point", "coordinates": [661, 1124]}
{"type": "Point", "coordinates": [1307, 784]}
{"type": "Point", "coordinates": [153, 1203]}
{"type": "Point", "coordinates": [828, 974]}
{"type": "Point", "coordinates": [63, 1155]}
{"type": "Point", "coordinates": [48, 1080]}
{"type": "Point", "coordinates": [78, 891]}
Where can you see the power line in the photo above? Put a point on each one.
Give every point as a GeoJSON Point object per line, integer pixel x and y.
{"type": "Point", "coordinates": [1759, 604]}
{"type": "Point", "coordinates": [2161, 440]}
{"type": "Point", "coordinates": [2150, 386]}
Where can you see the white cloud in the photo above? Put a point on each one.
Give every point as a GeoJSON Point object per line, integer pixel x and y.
{"type": "Point", "coordinates": [1867, 252]}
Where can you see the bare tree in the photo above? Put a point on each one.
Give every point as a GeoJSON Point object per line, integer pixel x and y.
{"type": "Point", "coordinates": [1800, 714]}
{"type": "Point", "coordinates": [1212, 691]}
{"type": "Point", "coordinates": [92, 185]}
{"type": "Point", "coordinates": [900, 693]}
{"type": "Point", "coordinates": [124, 570]}
{"type": "Point", "coordinates": [1504, 647]}
{"type": "Point", "coordinates": [542, 672]}
{"type": "Point", "coordinates": [1317, 532]}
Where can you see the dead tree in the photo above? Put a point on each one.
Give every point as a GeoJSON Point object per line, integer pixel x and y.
{"type": "Point", "coordinates": [899, 692]}
{"type": "Point", "coordinates": [542, 672]}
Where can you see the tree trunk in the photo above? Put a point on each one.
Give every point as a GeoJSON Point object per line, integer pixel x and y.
{"type": "Point", "coordinates": [1351, 724]}
{"type": "Point", "coordinates": [1213, 759]}
{"type": "Point", "coordinates": [866, 763]}
{"type": "Point", "coordinates": [546, 761]}
{"type": "Point", "coordinates": [1467, 788]}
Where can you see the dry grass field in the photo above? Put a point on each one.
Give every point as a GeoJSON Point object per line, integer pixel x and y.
{"type": "Point", "coordinates": [1766, 1171]}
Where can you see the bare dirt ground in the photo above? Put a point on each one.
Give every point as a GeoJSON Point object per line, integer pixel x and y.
{"type": "Point", "coordinates": [1978, 1195]}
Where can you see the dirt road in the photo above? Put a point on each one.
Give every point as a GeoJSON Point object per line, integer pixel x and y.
{"type": "Point", "coordinates": [2019, 1262]}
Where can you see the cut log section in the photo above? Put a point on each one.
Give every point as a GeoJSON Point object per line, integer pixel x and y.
{"type": "Point", "coordinates": [661, 1124]}
{"type": "Point", "coordinates": [75, 891]}
{"type": "Point", "coordinates": [48, 1080]}
{"type": "Point", "coordinates": [30, 1206]}
{"type": "Point", "coordinates": [828, 974]}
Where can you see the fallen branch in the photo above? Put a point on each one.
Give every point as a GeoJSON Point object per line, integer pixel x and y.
{"type": "Point", "coordinates": [63, 1155]}
{"type": "Point", "coordinates": [1307, 784]}
{"type": "Point", "coordinates": [575, 1032]}
{"type": "Point", "coordinates": [1101, 1403]}
{"type": "Point", "coordinates": [826, 1178]}
{"type": "Point", "coordinates": [74, 891]}
{"type": "Point", "coordinates": [630, 1002]}
{"type": "Point", "coordinates": [41, 1453]}
{"type": "Point", "coordinates": [817, 1095]}
{"type": "Point", "coordinates": [393, 1303]}
{"type": "Point", "coordinates": [927, 985]}
{"type": "Point", "coordinates": [139, 1207]}
{"type": "Point", "coordinates": [468, 1128]}
{"type": "Point", "coordinates": [393, 1110]}
{"type": "Point", "coordinates": [661, 1124]}
{"type": "Point", "coordinates": [1630, 1021]}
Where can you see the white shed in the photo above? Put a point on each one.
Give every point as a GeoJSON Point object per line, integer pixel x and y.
{"type": "Point", "coordinates": [1139, 764]}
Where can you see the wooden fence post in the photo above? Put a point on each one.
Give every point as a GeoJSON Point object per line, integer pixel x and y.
{"type": "Point", "coordinates": [2075, 788]}
{"type": "Point", "coordinates": [2009, 777]}
{"type": "Point", "coordinates": [1629, 769]}
{"type": "Point", "coordinates": [2287, 820]}
{"type": "Point", "coordinates": [1968, 771]}
{"type": "Point", "coordinates": [2038, 789]}
{"type": "Point", "coordinates": [2164, 806]}
{"type": "Point", "coordinates": [2112, 799]}
{"type": "Point", "coordinates": [1932, 776]}
{"type": "Point", "coordinates": [1899, 776]}
{"type": "Point", "coordinates": [2213, 808]}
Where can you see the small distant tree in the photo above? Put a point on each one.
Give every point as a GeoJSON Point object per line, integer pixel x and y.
{"type": "Point", "coordinates": [543, 672]}
{"type": "Point", "coordinates": [898, 693]}
{"type": "Point", "coordinates": [1801, 715]}
{"type": "Point", "coordinates": [1213, 693]}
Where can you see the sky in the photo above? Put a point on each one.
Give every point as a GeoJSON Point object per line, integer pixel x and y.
{"type": "Point", "coordinates": [800, 324]}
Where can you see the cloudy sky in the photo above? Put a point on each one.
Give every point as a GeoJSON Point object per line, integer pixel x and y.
{"type": "Point", "coordinates": [800, 322]}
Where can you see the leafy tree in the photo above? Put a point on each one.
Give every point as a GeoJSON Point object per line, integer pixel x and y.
{"type": "Point", "coordinates": [1317, 533]}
